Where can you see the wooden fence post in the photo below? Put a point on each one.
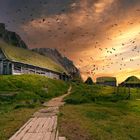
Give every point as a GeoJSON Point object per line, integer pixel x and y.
{"type": "Point", "coordinates": [129, 93]}
{"type": "Point", "coordinates": [117, 89]}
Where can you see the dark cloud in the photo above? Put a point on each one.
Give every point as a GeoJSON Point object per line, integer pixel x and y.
{"type": "Point", "coordinates": [17, 12]}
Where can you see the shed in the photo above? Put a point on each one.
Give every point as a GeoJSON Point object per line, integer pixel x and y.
{"type": "Point", "coordinates": [108, 81]}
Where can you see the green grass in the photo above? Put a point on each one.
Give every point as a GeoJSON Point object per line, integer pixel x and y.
{"type": "Point", "coordinates": [82, 93]}
{"type": "Point", "coordinates": [100, 113]}
{"type": "Point", "coordinates": [12, 119]}
{"type": "Point", "coordinates": [34, 86]}
{"type": "Point", "coordinates": [101, 121]}
{"type": "Point", "coordinates": [24, 95]}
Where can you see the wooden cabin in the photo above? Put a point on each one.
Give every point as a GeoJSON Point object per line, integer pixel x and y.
{"type": "Point", "coordinates": [106, 81]}
{"type": "Point", "coordinates": [17, 61]}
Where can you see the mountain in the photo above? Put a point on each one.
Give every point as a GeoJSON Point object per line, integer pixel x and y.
{"type": "Point", "coordinates": [11, 37]}
{"type": "Point", "coordinates": [58, 58]}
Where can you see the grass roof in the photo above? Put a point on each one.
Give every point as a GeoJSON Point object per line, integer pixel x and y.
{"type": "Point", "coordinates": [106, 79]}
{"type": "Point", "coordinates": [132, 80]}
{"type": "Point", "coordinates": [25, 56]}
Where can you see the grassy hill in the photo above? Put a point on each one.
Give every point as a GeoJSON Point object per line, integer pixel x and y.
{"type": "Point", "coordinates": [20, 96]}
{"type": "Point", "coordinates": [101, 112]}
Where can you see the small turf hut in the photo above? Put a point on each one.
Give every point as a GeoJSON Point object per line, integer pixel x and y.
{"type": "Point", "coordinates": [17, 61]}
{"type": "Point", "coordinates": [132, 82]}
{"type": "Point", "coordinates": [106, 81]}
{"type": "Point", "coordinates": [89, 81]}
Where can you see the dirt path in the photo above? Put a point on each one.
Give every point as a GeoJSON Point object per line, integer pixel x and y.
{"type": "Point", "coordinates": [43, 124]}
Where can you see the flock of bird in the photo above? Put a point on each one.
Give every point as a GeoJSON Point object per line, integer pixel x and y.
{"type": "Point", "coordinates": [112, 56]}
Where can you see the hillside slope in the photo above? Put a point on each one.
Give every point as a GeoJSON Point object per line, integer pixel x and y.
{"type": "Point", "coordinates": [21, 96]}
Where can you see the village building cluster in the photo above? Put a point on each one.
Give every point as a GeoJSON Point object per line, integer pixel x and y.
{"type": "Point", "coordinates": [130, 82]}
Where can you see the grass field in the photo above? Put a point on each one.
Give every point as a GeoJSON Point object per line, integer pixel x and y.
{"type": "Point", "coordinates": [83, 93]}
{"type": "Point", "coordinates": [101, 113]}
{"type": "Point", "coordinates": [21, 96]}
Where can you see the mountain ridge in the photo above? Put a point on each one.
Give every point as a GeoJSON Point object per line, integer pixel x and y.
{"type": "Point", "coordinates": [11, 37]}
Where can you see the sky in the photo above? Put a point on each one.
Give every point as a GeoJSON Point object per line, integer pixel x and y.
{"type": "Point", "coordinates": [101, 37]}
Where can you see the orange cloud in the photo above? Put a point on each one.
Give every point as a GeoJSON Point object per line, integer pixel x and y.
{"type": "Point", "coordinates": [98, 34]}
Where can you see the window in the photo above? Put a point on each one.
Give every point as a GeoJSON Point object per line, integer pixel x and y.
{"type": "Point", "coordinates": [17, 68]}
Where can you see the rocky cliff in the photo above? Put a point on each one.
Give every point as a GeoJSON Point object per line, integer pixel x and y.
{"type": "Point", "coordinates": [58, 58]}
{"type": "Point", "coordinates": [11, 37]}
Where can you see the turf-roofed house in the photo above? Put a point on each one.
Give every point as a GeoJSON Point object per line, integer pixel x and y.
{"type": "Point", "coordinates": [107, 81]}
{"type": "Point", "coordinates": [132, 82]}
{"type": "Point", "coordinates": [16, 61]}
